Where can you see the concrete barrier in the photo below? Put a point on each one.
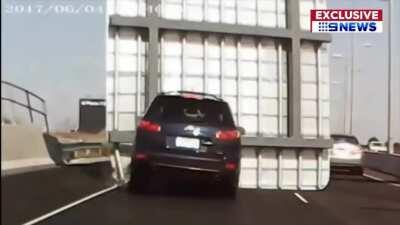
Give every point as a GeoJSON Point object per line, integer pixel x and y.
{"type": "Point", "coordinates": [396, 147]}
{"type": "Point", "coordinates": [383, 162]}
{"type": "Point", "coordinates": [23, 146]}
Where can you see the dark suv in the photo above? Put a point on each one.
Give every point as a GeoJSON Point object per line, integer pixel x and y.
{"type": "Point", "coordinates": [187, 132]}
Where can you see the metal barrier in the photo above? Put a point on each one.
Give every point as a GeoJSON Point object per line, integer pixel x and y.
{"type": "Point", "coordinates": [28, 106]}
{"type": "Point", "coordinates": [396, 147]}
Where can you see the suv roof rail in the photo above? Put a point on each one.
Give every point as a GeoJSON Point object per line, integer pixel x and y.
{"type": "Point", "coordinates": [204, 95]}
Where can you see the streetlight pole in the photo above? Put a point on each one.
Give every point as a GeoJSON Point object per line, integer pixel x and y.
{"type": "Point", "coordinates": [352, 84]}
{"type": "Point", "coordinates": [346, 93]}
{"type": "Point", "coordinates": [351, 92]}
{"type": "Point", "coordinates": [389, 145]}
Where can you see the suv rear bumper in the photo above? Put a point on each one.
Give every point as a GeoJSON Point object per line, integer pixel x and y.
{"type": "Point", "coordinates": [157, 161]}
{"type": "Point", "coordinates": [186, 167]}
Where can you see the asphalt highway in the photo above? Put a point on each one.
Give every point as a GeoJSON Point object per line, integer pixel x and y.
{"type": "Point", "coordinates": [29, 195]}
{"type": "Point", "coordinates": [348, 200]}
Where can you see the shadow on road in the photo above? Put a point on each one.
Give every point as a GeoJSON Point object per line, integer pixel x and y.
{"type": "Point", "coordinates": [358, 178]}
{"type": "Point", "coordinates": [352, 178]}
{"type": "Point", "coordinates": [185, 189]}
{"type": "Point", "coordinates": [386, 209]}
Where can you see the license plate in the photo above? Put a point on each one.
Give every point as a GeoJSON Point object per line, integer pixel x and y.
{"type": "Point", "coordinates": [88, 153]}
{"type": "Point", "coordinates": [184, 142]}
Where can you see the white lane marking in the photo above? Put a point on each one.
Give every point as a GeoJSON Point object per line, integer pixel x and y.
{"type": "Point", "coordinates": [301, 197]}
{"type": "Point", "coordinates": [52, 213]}
{"type": "Point", "coordinates": [372, 177]}
{"type": "Point", "coordinates": [394, 184]}
{"type": "Point", "coordinates": [380, 179]}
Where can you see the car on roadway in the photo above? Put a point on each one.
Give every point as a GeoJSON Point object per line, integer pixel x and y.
{"type": "Point", "coordinates": [346, 154]}
{"type": "Point", "coordinates": [377, 146]}
{"type": "Point", "coordinates": [188, 133]}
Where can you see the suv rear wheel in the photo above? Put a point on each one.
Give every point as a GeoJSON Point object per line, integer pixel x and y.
{"type": "Point", "coordinates": [140, 180]}
{"type": "Point", "coordinates": [229, 188]}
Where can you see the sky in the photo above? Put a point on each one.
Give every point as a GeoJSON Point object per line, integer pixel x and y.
{"type": "Point", "coordinates": [58, 55]}
{"type": "Point", "coordinates": [371, 67]}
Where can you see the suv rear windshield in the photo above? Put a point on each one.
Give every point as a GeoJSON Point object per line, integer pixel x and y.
{"type": "Point", "coordinates": [175, 109]}
{"type": "Point", "coordinates": [345, 139]}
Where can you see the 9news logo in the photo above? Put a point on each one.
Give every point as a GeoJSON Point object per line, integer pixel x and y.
{"type": "Point", "coordinates": [346, 21]}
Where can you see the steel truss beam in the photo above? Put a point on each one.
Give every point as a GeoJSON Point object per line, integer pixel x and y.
{"type": "Point", "coordinates": [293, 35]}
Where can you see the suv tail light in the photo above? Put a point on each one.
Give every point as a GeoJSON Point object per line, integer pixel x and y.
{"type": "Point", "coordinates": [141, 156]}
{"type": "Point", "coordinates": [230, 166]}
{"type": "Point", "coordinates": [228, 135]}
{"type": "Point", "coordinates": [149, 126]}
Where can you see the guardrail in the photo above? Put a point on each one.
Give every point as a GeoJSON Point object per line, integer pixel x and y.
{"type": "Point", "coordinates": [396, 147]}
{"type": "Point", "coordinates": [28, 105]}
